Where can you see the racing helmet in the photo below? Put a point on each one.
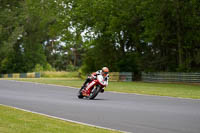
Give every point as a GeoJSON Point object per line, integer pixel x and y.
{"type": "Point", "coordinates": [105, 71]}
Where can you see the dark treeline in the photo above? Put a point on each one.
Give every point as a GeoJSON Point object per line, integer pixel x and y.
{"type": "Point", "coordinates": [125, 35]}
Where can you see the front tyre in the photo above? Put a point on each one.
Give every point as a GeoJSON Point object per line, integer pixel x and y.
{"type": "Point", "coordinates": [94, 92]}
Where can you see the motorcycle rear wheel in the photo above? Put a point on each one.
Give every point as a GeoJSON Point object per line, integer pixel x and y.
{"type": "Point", "coordinates": [80, 95]}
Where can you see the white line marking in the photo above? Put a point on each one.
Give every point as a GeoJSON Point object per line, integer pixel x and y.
{"type": "Point", "coordinates": [68, 120]}
{"type": "Point", "coordinates": [181, 98]}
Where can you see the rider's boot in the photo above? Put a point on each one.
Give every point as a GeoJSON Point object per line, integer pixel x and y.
{"type": "Point", "coordinates": [102, 90]}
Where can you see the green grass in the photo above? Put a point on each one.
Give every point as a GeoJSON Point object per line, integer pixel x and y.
{"type": "Point", "coordinates": [57, 81]}
{"type": "Point", "coordinates": [17, 121]}
{"type": "Point", "coordinates": [60, 74]}
{"type": "Point", "coordinates": [160, 89]}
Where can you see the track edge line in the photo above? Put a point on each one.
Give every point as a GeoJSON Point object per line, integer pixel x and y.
{"type": "Point", "coordinates": [63, 119]}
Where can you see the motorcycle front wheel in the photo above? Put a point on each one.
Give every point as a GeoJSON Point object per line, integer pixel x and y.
{"type": "Point", "coordinates": [94, 92]}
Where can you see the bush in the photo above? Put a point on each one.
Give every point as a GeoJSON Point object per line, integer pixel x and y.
{"type": "Point", "coordinates": [82, 74]}
{"type": "Point", "coordinates": [48, 67]}
{"type": "Point", "coordinates": [38, 68]}
{"type": "Point", "coordinates": [71, 68]}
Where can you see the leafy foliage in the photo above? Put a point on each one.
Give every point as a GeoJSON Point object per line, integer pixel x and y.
{"type": "Point", "coordinates": [131, 35]}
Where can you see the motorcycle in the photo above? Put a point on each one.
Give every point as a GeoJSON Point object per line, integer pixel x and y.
{"type": "Point", "coordinates": [91, 89]}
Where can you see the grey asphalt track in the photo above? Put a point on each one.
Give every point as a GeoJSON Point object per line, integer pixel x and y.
{"type": "Point", "coordinates": [126, 112]}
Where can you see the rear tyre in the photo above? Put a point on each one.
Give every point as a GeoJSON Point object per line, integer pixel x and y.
{"type": "Point", "coordinates": [80, 95]}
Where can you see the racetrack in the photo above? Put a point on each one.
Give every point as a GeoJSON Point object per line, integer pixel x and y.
{"type": "Point", "coordinates": [125, 112]}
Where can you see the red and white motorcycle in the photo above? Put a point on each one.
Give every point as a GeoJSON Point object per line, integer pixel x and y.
{"type": "Point", "coordinates": [92, 89]}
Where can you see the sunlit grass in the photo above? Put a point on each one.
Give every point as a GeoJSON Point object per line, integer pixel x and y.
{"type": "Point", "coordinates": [161, 89]}
{"type": "Point", "coordinates": [17, 121]}
{"type": "Point", "coordinates": [60, 74]}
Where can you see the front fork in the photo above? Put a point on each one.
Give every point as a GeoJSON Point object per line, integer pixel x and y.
{"type": "Point", "coordinates": [88, 89]}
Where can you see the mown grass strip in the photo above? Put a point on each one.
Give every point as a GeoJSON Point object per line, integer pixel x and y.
{"type": "Point", "coordinates": [160, 89]}
{"type": "Point", "coordinates": [16, 121]}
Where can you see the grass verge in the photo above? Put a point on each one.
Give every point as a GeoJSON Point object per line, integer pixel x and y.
{"type": "Point", "coordinates": [17, 121]}
{"type": "Point", "coordinates": [160, 89]}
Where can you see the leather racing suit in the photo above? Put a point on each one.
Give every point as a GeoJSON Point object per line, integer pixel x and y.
{"type": "Point", "coordinates": [95, 76]}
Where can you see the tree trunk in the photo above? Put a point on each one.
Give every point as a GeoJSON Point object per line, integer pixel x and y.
{"type": "Point", "coordinates": [178, 34]}
{"type": "Point", "coordinates": [75, 56]}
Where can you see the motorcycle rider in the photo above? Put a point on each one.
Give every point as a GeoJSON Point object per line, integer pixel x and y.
{"type": "Point", "coordinates": [104, 72]}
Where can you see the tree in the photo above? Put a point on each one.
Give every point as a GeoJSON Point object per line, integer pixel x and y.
{"type": "Point", "coordinates": [26, 26]}
{"type": "Point", "coordinates": [169, 28]}
{"type": "Point", "coordinates": [115, 28]}
{"type": "Point", "coordinates": [131, 35]}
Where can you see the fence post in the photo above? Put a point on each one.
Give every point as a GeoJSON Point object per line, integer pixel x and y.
{"type": "Point", "coordinates": [125, 76]}
{"type": "Point", "coordinates": [37, 74]}
{"type": "Point", "coordinates": [23, 75]}
{"type": "Point", "coordinates": [10, 75]}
